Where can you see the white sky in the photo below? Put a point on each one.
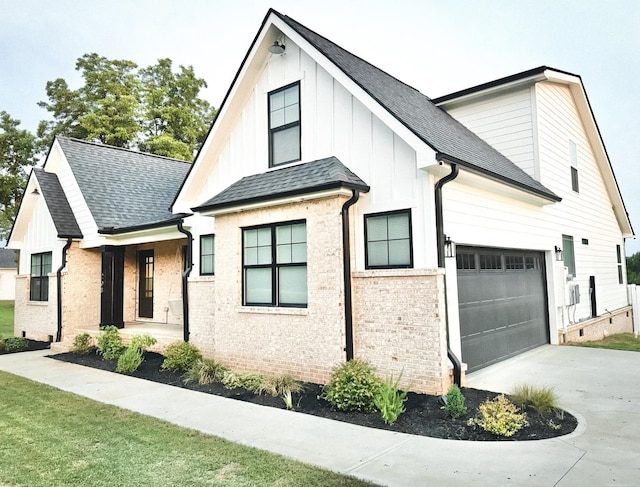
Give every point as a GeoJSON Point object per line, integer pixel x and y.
{"type": "Point", "coordinates": [437, 46]}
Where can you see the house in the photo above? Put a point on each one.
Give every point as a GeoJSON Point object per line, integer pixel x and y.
{"type": "Point", "coordinates": [334, 212]}
{"type": "Point", "coordinates": [8, 271]}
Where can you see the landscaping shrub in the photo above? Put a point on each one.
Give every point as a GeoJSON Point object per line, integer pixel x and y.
{"type": "Point", "coordinates": [16, 344]}
{"type": "Point", "coordinates": [180, 356]}
{"type": "Point", "coordinates": [1, 343]}
{"type": "Point", "coordinates": [499, 417]}
{"type": "Point", "coordinates": [278, 385]}
{"type": "Point", "coordinates": [353, 387]}
{"type": "Point", "coordinates": [206, 371]}
{"type": "Point", "coordinates": [142, 342]}
{"type": "Point", "coordinates": [454, 406]}
{"type": "Point", "coordinates": [82, 344]}
{"type": "Point", "coordinates": [129, 360]}
{"type": "Point", "coordinates": [109, 343]}
{"type": "Point", "coordinates": [542, 399]}
{"type": "Point", "coordinates": [389, 400]}
{"type": "Point", "coordinates": [247, 380]}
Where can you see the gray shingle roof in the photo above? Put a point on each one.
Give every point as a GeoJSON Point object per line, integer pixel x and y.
{"type": "Point", "coordinates": [8, 259]}
{"type": "Point", "coordinates": [58, 205]}
{"type": "Point", "coordinates": [124, 189]}
{"type": "Point", "coordinates": [418, 113]}
{"type": "Point", "coordinates": [323, 174]}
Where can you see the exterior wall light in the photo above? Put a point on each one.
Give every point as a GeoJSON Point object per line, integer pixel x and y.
{"type": "Point", "coordinates": [277, 47]}
{"type": "Point", "coordinates": [558, 252]}
{"type": "Point", "coordinates": [449, 247]}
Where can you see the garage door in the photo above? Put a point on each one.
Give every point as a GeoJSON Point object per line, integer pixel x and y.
{"type": "Point", "coordinates": [503, 307]}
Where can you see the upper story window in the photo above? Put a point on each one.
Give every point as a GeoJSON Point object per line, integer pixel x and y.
{"type": "Point", "coordinates": [568, 254]}
{"type": "Point", "coordinates": [207, 254]}
{"type": "Point", "coordinates": [573, 158]}
{"type": "Point", "coordinates": [619, 256]}
{"type": "Point", "coordinates": [275, 265]}
{"type": "Point", "coordinates": [40, 269]}
{"type": "Point", "coordinates": [388, 240]}
{"type": "Point", "coordinates": [284, 125]}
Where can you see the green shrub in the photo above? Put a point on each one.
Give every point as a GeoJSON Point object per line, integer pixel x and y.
{"type": "Point", "coordinates": [180, 356]}
{"type": "Point", "coordinates": [109, 343]}
{"type": "Point", "coordinates": [129, 360]}
{"type": "Point", "coordinates": [389, 400]}
{"type": "Point", "coordinates": [82, 344]}
{"type": "Point", "coordinates": [16, 344]}
{"type": "Point", "coordinates": [499, 417]}
{"type": "Point", "coordinates": [206, 371]}
{"type": "Point", "coordinates": [1, 343]}
{"type": "Point", "coordinates": [542, 399]}
{"type": "Point", "coordinates": [247, 380]}
{"type": "Point", "coordinates": [454, 406]}
{"type": "Point", "coordinates": [142, 342]}
{"type": "Point", "coordinates": [278, 385]}
{"type": "Point", "coordinates": [353, 387]}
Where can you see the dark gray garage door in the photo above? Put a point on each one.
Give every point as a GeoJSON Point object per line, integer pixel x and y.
{"type": "Point", "coordinates": [503, 308]}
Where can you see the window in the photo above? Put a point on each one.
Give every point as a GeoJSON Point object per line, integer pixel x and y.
{"type": "Point", "coordinates": [490, 262]}
{"type": "Point", "coordinates": [388, 237]}
{"type": "Point", "coordinates": [275, 265]}
{"type": "Point", "coordinates": [40, 269]}
{"type": "Point", "coordinates": [514, 262]}
{"type": "Point", "coordinates": [619, 255]}
{"type": "Point", "coordinates": [284, 125]}
{"type": "Point", "coordinates": [573, 157]}
{"type": "Point", "coordinates": [465, 261]}
{"type": "Point", "coordinates": [569, 254]}
{"type": "Point", "coordinates": [207, 254]}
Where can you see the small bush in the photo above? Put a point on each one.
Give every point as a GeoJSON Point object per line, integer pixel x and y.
{"type": "Point", "coordinates": [389, 400]}
{"type": "Point", "coordinates": [247, 380]}
{"type": "Point", "coordinates": [129, 360]}
{"type": "Point", "coordinates": [82, 344]}
{"type": "Point", "coordinates": [499, 417]}
{"type": "Point", "coordinates": [142, 342]}
{"type": "Point", "coordinates": [278, 385]}
{"type": "Point", "coordinates": [353, 387]}
{"type": "Point", "coordinates": [206, 371]}
{"type": "Point", "coordinates": [109, 343]}
{"type": "Point", "coordinates": [455, 402]}
{"type": "Point", "coordinates": [542, 399]}
{"type": "Point", "coordinates": [1, 343]}
{"type": "Point", "coordinates": [180, 356]}
{"type": "Point", "coordinates": [16, 344]}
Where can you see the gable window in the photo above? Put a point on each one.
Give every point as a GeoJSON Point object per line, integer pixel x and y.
{"type": "Point", "coordinates": [207, 254]}
{"type": "Point", "coordinates": [275, 265]}
{"type": "Point", "coordinates": [573, 158]}
{"type": "Point", "coordinates": [619, 255]}
{"type": "Point", "coordinates": [40, 269]}
{"type": "Point", "coordinates": [569, 254]}
{"type": "Point", "coordinates": [284, 125]}
{"type": "Point", "coordinates": [388, 240]}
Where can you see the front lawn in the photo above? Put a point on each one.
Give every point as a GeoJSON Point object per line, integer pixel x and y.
{"type": "Point", "coordinates": [621, 341]}
{"type": "Point", "coordinates": [6, 319]}
{"type": "Point", "coordinates": [51, 437]}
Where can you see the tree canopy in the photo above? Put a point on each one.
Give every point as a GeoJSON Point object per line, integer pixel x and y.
{"type": "Point", "coordinates": [633, 269]}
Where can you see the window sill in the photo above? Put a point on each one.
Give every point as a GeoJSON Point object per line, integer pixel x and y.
{"type": "Point", "coordinates": [207, 278]}
{"type": "Point", "coordinates": [37, 303]}
{"type": "Point", "coordinates": [398, 272]}
{"type": "Point", "coordinates": [268, 310]}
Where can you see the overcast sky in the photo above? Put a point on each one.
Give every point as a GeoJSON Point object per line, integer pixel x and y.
{"type": "Point", "coordinates": [437, 46]}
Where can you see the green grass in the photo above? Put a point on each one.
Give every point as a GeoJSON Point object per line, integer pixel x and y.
{"type": "Point", "coordinates": [621, 341]}
{"type": "Point", "coordinates": [6, 319]}
{"type": "Point", "coordinates": [54, 438]}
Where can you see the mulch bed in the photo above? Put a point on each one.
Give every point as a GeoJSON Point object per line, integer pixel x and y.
{"type": "Point", "coordinates": [424, 415]}
{"type": "Point", "coordinates": [33, 345]}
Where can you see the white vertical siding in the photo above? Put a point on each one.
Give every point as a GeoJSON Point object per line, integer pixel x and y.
{"type": "Point", "coordinates": [40, 237]}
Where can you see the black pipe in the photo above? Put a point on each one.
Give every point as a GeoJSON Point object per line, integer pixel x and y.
{"type": "Point", "coordinates": [457, 365]}
{"type": "Point", "coordinates": [185, 279]}
{"type": "Point", "coordinates": [59, 286]}
{"type": "Point", "coordinates": [346, 261]}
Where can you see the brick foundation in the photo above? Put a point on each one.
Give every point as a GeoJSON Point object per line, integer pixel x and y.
{"type": "Point", "coordinates": [618, 321]}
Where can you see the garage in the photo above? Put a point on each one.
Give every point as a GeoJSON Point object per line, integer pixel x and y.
{"type": "Point", "coordinates": [502, 302]}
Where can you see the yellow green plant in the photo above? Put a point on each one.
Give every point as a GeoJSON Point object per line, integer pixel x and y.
{"type": "Point", "coordinates": [500, 417]}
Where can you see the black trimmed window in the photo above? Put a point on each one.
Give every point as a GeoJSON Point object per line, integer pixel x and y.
{"type": "Point", "coordinates": [465, 261]}
{"type": "Point", "coordinates": [207, 255]}
{"type": "Point", "coordinates": [284, 125]}
{"type": "Point", "coordinates": [619, 256]}
{"type": "Point", "coordinates": [40, 269]}
{"type": "Point", "coordinates": [568, 254]}
{"type": "Point", "coordinates": [275, 265]}
{"type": "Point", "coordinates": [388, 240]}
{"type": "Point", "coordinates": [573, 158]}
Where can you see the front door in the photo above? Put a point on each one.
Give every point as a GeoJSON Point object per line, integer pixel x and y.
{"type": "Point", "coordinates": [145, 284]}
{"type": "Point", "coordinates": [111, 292]}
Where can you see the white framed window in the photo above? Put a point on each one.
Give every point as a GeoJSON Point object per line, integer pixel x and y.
{"type": "Point", "coordinates": [568, 254]}
{"type": "Point", "coordinates": [573, 158]}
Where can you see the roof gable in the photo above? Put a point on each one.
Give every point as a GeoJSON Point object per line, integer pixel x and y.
{"type": "Point", "coordinates": [56, 201]}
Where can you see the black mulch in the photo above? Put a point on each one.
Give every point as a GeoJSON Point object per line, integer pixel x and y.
{"type": "Point", "coordinates": [33, 345]}
{"type": "Point", "coordinates": [424, 415]}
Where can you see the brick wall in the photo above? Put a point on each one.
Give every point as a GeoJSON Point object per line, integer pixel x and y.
{"type": "Point", "coordinates": [202, 310]}
{"type": "Point", "coordinates": [37, 319]}
{"type": "Point", "coordinates": [618, 321]}
{"type": "Point", "coordinates": [400, 326]}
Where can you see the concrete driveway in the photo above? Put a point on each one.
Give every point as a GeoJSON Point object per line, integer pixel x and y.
{"type": "Point", "coordinates": [601, 388]}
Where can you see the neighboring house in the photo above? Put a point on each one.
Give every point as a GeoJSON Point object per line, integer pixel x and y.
{"type": "Point", "coordinates": [314, 221]}
{"type": "Point", "coordinates": [8, 271]}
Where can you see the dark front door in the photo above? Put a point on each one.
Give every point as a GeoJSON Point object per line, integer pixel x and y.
{"type": "Point", "coordinates": [112, 286]}
{"type": "Point", "coordinates": [145, 285]}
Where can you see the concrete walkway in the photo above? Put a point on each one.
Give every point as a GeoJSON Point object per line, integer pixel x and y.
{"type": "Point", "coordinates": [602, 388]}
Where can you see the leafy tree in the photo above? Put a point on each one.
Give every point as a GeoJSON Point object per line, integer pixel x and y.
{"type": "Point", "coordinates": [633, 269]}
{"type": "Point", "coordinates": [17, 151]}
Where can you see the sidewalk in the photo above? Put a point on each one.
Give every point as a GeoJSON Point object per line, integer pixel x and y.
{"type": "Point", "coordinates": [387, 458]}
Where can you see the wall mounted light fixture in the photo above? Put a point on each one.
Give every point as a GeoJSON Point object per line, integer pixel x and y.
{"type": "Point", "coordinates": [277, 47]}
{"type": "Point", "coordinates": [558, 252]}
{"type": "Point", "coordinates": [449, 247]}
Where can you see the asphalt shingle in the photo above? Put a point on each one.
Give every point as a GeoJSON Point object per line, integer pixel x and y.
{"type": "Point", "coordinates": [58, 205]}
{"type": "Point", "coordinates": [8, 259]}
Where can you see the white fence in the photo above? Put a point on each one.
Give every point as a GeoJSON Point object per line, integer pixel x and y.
{"type": "Point", "coordinates": [634, 300]}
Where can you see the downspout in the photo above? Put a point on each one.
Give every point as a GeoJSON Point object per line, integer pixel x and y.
{"type": "Point", "coordinates": [457, 365]}
{"type": "Point", "coordinates": [59, 286]}
{"type": "Point", "coordinates": [185, 278]}
{"type": "Point", "coordinates": [346, 261]}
